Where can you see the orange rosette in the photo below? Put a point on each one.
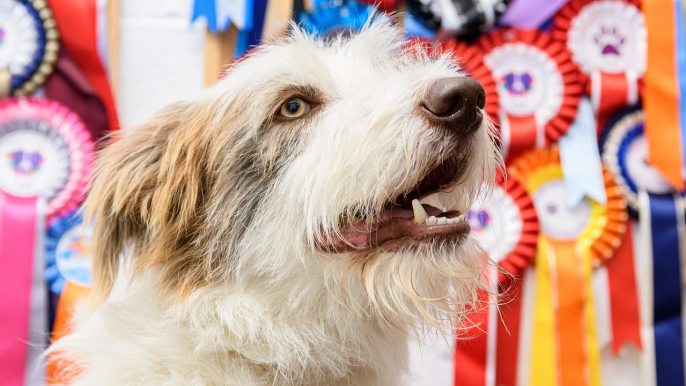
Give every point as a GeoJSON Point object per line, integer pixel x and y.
{"type": "Point", "coordinates": [571, 242]}
{"type": "Point", "coordinates": [605, 224]}
{"type": "Point", "coordinates": [537, 83]}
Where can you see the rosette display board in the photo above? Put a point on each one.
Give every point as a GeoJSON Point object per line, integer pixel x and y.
{"type": "Point", "coordinates": [607, 39]}
{"type": "Point", "coordinates": [28, 45]}
{"type": "Point", "coordinates": [661, 221]}
{"type": "Point", "coordinates": [332, 18]}
{"type": "Point", "coordinates": [571, 241]}
{"type": "Point", "coordinates": [538, 87]}
{"type": "Point", "coordinates": [506, 225]}
{"type": "Point", "coordinates": [45, 159]}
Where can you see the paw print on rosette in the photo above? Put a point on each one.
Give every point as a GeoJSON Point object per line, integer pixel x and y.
{"type": "Point", "coordinates": [572, 241]}
{"type": "Point", "coordinates": [537, 86]}
{"type": "Point", "coordinates": [607, 39]}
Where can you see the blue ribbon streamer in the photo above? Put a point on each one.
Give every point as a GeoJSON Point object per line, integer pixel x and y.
{"type": "Point", "coordinates": [331, 17]}
{"type": "Point", "coordinates": [681, 68]}
{"type": "Point", "coordinates": [208, 10]}
{"type": "Point", "coordinates": [669, 356]}
{"type": "Point", "coordinates": [583, 174]}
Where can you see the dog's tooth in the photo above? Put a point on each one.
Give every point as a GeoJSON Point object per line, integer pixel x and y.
{"type": "Point", "coordinates": [461, 204]}
{"type": "Point", "coordinates": [419, 212]}
{"type": "Point", "coordinates": [441, 220]}
{"type": "Point", "coordinates": [449, 221]}
{"type": "Point", "coordinates": [431, 220]}
{"type": "Point", "coordinates": [461, 217]}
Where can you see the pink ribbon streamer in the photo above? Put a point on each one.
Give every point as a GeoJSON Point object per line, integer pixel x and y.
{"type": "Point", "coordinates": [18, 216]}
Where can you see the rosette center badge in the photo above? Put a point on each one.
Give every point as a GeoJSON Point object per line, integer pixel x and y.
{"type": "Point", "coordinates": [527, 78]}
{"type": "Point", "coordinates": [34, 162]}
{"type": "Point", "coordinates": [609, 36]}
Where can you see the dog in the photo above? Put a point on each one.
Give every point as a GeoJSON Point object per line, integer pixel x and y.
{"type": "Point", "coordinates": [290, 226]}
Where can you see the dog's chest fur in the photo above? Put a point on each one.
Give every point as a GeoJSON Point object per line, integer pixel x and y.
{"type": "Point", "coordinates": [132, 339]}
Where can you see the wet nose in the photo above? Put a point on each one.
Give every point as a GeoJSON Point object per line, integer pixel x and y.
{"type": "Point", "coordinates": [455, 103]}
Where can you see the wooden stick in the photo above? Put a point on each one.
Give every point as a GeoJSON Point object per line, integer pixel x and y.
{"type": "Point", "coordinates": [219, 51]}
{"type": "Point", "coordinates": [113, 46]}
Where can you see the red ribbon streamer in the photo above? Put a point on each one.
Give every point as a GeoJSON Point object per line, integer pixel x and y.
{"type": "Point", "coordinates": [17, 239]}
{"type": "Point", "coordinates": [626, 323]}
{"type": "Point", "coordinates": [507, 345]}
{"type": "Point", "coordinates": [523, 135]}
{"type": "Point", "coordinates": [613, 93]}
{"type": "Point", "coordinates": [76, 21]}
{"type": "Point", "coordinates": [471, 353]}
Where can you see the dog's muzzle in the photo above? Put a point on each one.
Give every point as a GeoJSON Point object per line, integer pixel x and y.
{"type": "Point", "coordinates": [455, 103]}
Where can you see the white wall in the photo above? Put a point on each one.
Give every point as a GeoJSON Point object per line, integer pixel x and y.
{"type": "Point", "coordinates": [161, 57]}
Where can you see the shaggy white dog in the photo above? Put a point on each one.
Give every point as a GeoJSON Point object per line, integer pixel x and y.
{"type": "Point", "coordinates": [270, 233]}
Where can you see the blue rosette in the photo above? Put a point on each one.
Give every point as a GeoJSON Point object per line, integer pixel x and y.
{"type": "Point", "coordinates": [331, 18]}
{"type": "Point", "coordinates": [28, 45]}
{"type": "Point", "coordinates": [68, 253]}
{"type": "Point", "coordinates": [624, 152]}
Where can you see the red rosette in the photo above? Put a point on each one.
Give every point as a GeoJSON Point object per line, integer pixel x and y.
{"type": "Point", "coordinates": [538, 85]}
{"type": "Point", "coordinates": [607, 40]}
{"type": "Point", "coordinates": [506, 224]}
{"type": "Point", "coordinates": [45, 150]}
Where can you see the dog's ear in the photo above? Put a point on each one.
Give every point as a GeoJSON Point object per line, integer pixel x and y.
{"type": "Point", "coordinates": [146, 192]}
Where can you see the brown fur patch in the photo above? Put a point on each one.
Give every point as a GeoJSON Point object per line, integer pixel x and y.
{"type": "Point", "coordinates": [178, 190]}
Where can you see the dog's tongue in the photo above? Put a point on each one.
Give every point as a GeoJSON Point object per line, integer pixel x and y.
{"type": "Point", "coordinates": [394, 223]}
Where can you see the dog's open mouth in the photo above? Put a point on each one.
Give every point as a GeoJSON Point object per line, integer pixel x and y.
{"type": "Point", "coordinates": [405, 218]}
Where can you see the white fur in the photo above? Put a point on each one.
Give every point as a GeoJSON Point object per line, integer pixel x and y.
{"type": "Point", "coordinates": [286, 313]}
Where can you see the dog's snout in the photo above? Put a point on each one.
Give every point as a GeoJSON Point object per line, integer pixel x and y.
{"type": "Point", "coordinates": [455, 103]}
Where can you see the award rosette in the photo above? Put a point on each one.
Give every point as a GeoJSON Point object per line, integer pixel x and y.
{"type": "Point", "coordinates": [68, 256]}
{"type": "Point", "coordinates": [506, 225]}
{"type": "Point", "coordinates": [332, 18]}
{"type": "Point", "coordinates": [537, 84]}
{"type": "Point", "coordinates": [660, 211]}
{"type": "Point", "coordinates": [608, 42]}
{"type": "Point", "coordinates": [47, 152]}
{"type": "Point", "coordinates": [45, 160]}
{"type": "Point", "coordinates": [571, 242]}
{"type": "Point", "coordinates": [28, 45]}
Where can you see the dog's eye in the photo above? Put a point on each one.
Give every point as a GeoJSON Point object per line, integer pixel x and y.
{"type": "Point", "coordinates": [294, 108]}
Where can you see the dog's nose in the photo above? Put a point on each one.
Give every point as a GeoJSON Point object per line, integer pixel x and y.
{"type": "Point", "coordinates": [455, 103]}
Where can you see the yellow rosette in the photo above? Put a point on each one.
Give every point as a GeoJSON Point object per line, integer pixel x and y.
{"type": "Point", "coordinates": [571, 242]}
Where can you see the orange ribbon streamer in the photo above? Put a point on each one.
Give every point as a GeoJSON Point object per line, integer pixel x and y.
{"type": "Point", "coordinates": [71, 295]}
{"type": "Point", "coordinates": [568, 284]}
{"type": "Point", "coordinates": [660, 93]}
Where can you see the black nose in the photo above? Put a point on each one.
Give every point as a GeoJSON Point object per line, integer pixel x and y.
{"type": "Point", "coordinates": [455, 103]}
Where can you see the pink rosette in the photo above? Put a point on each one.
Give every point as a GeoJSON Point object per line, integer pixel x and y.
{"type": "Point", "coordinates": [62, 172]}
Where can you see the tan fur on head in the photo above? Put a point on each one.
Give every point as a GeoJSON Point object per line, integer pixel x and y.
{"type": "Point", "coordinates": [208, 220]}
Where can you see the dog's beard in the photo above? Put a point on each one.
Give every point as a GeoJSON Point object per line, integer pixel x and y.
{"type": "Point", "coordinates": [432, 283]}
